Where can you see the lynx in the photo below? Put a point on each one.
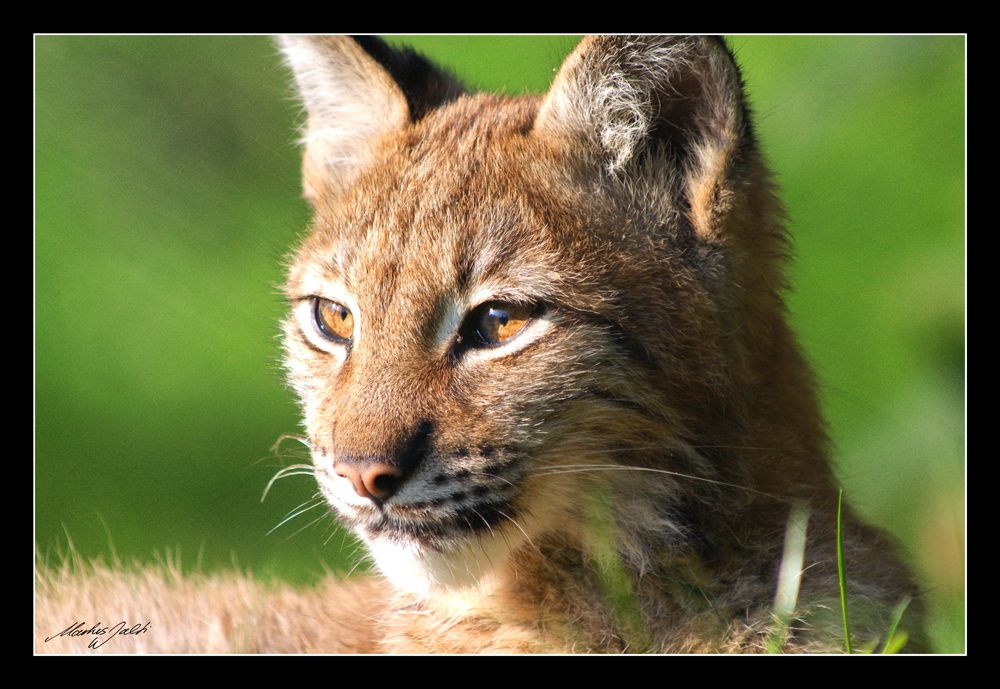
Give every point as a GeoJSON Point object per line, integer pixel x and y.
{"type": "Point", "coordinates": [546, 375]}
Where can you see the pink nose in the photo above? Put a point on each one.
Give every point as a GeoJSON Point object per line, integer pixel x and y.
{"type": "Point", "coordinates": [374, 480]}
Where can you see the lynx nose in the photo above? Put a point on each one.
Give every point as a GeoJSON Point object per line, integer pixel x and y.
{"type": "Point", "coordinates": [378, 474]}
{"type": "Point", "coordinates": [374, 480]}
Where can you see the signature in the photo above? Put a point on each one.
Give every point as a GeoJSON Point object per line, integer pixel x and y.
{"type": "Point", "coordinates": [100, 632]}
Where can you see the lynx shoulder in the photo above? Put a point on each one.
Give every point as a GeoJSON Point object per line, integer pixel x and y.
{"type": "Point", "coordinates": [545, 372]}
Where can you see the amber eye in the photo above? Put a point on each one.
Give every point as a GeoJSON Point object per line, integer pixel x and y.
{"type": "Point", "coordinates": [333, 320]}
{"type": "Point", "coordinates": [496, 322]}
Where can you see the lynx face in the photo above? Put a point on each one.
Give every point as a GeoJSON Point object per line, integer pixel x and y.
{"type": "Point", "coordinates": [509, 310]}
{"type": "Point", "coordinates": [457, 334]}
{"type": "Point", "coordinates": [444, 367]}
{"type": "Point", "coordinates": [478, 310]}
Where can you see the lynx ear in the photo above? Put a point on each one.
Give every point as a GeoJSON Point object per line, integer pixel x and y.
{"type": "Point", "coordinates": [625, 98]}
{"type": "Point", "coordinates": [355, 91]}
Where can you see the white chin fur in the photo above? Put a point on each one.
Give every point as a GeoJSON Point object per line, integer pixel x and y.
{"type": "Point", "coordinates": [423, 571]}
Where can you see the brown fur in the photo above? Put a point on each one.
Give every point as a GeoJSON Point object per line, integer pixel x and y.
{"type": "Point", "coordinates": [657, 394]}
{"type": "Point", "coordinates": [177, 613]}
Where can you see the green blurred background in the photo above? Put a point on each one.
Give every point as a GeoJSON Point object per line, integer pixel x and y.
{"type": "Point", "coordinates": [167, 196]}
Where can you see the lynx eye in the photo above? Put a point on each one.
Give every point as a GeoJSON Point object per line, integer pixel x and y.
{"type": "Point", "coordinates": [334, 321]}
{"type": "Point", "coordinates": [496, 322]}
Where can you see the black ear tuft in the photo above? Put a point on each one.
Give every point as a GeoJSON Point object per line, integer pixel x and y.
{"type": "Point", "coordinates": [425, 86]}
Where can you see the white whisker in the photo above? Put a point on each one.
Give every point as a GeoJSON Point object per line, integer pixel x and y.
{"type": "Point", "coordinates": [519, 527]}
{"type": "Point", "coordinates": [289, 436]}
{"type": "Point", "coordinates": [582, 468]}
{"type": "Point", "coordinates": [301, 509]}
{"type": "Point", "coordinates": [293, 470]}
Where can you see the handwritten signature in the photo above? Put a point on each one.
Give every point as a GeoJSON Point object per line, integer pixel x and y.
{"type": "Point", "coordinates": [98, 631]}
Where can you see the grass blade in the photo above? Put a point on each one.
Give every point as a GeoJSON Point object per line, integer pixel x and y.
{"type": "Point", "coordinates": [894, 642]}
{"type": "Point", "coordinates": [789, 576]}
{"type": "Point", "coordinates": [841, 574]}
{"type": "Point", "coordinates": [612, 574]}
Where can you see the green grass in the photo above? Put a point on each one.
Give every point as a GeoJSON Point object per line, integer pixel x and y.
{"type": "Point", "coordinates": [786, 598]}
{"type": "Point", "coordinates": [842, 575]}
{"type": "Point", "coordinates": [895, 638]}
{"type": "Point", "coordinates": [612, 575]}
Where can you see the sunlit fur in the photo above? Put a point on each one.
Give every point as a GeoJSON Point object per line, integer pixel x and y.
{"type": "Point", "coordinates": [655, 406]}
{"type": "Point", "coordinates": [632, 202]}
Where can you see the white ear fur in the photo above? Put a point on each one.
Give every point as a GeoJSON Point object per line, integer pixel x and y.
{"type": "Point", "coordinates": [350, 99]}
{"type": "Point", "coordinates": [617, 93]}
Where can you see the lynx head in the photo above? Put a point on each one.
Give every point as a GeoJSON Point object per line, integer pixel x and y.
{"type": "Point", "coordinates": [507, 305]}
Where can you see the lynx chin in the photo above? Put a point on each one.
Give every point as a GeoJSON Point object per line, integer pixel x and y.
{"type": "Point", "coordinates": [545, 372]}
